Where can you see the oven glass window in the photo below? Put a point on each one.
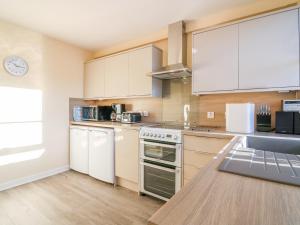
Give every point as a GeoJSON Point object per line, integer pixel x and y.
{"type": "Point", "coordinates": [160, 152]}
{"type": "Point", "coordinates": [160, 182]}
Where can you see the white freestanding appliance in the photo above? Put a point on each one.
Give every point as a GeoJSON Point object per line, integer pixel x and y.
{"type": "Point", "coordinates": [79, 149]}
{"type": "Point", "coordinates": [240, 117]}
{"type": "Point", "coordinates": [101, 154]}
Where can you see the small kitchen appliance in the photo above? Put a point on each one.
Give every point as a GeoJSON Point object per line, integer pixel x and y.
{"type": "Point", "coordinates": [288, 122]}
{"type": "Point", "coordinates": [285, 122]}
{"type": "Point", "coordinates": [117, 110]}
{"type": "Point", "coordinates": [104, 112]}
{"type": "Point", "coordinates": [96, 113]}
{"type": "Point", "coordinates": [296, 122]}
{"type": "Point", "coordinates": [90, 113]}
{"type": "Point", "coordinates": [291, 105]}
{"type": "Point", "coordinates": [131, 117]}
{"type": "Point", "coordinates": [240, 117]}
{"type": "Point", "coordinates": [77, 113]}
{"type": "Point", "coordinates": [263, 118]}
{"type": "Point", "coordinates": [161, 154]}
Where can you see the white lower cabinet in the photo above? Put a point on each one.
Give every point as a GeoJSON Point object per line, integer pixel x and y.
{"type": "Point", "coordinates": [199, 152]}
{"type": "Point", "coordinates": [79, 149]}
{"type": "Point", "coordinates": [127, 154]}
{"type": "Point", "coordinates": [101, 154]}
{"type": "Point", "coordinates": [92, 152]}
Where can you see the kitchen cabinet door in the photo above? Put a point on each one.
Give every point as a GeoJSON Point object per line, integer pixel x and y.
{"type": "Point", "coordinates": [141, 62]}
{"type": "Point", "coordinates": [79, 149]}
{"type": "Point", "coordinates": [269, 52]}
{"type": "Point", "coordinates": [94, 78]}
{"type": "Point", "coordinates": [116, 76]}
{"type": "Point", "coordinates": [127, 154]}
{"type": "Point", "coordinates": [199, 152]}
{"type": "Point", "coordinates": [215, 60]}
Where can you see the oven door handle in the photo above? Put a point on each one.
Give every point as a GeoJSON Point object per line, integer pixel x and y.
{"type": "Point", "coordinates": [158, 144]}
{"type": "Point", "coordinates": [159, 167]}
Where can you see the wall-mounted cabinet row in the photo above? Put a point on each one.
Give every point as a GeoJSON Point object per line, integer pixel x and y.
{"type": "Point", "coordinates": [124, 75]}
{"type": "Point", "coordinates": [260, 54]}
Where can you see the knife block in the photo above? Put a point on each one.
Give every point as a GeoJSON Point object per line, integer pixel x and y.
{"type": "Point", "coordinates": [263, 123]}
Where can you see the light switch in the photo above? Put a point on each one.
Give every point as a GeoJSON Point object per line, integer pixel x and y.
{"type": "Point", "coordinates": [210, 115]}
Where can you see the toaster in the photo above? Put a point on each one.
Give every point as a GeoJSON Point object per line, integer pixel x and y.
{"type": "Point", "coordinates": [131, 117]}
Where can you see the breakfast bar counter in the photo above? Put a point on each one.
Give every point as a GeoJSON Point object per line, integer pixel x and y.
{"type": "Point", "coordinates": [218, 198]}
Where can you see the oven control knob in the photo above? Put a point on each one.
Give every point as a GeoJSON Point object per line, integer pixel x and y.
{"type": "Point", "coordinates": [175, 137]}
{"type": "Point", "coordinates": [146, 134]}
{"type": "Point", "coordinates": [158, 136]}
{"type": "Point", "coordinates": [151, 135]}
{"type": "Point", "coordinates": [162, 136]}
{"type": "Point", "coordinates": [154, 135]}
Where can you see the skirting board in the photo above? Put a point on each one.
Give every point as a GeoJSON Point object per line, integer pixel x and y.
{"type": "Point", "coordinates": [29, 179]}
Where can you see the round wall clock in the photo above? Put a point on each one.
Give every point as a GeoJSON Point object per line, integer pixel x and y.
{"type": "Point", "coordinates": [15, 66]}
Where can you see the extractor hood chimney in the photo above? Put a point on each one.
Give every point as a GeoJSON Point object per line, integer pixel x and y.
{"type": "Point", "coordinates": [176, 54]}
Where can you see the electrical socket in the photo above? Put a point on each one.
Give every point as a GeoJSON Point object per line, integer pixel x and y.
{"type": "Point", "coordinates": [210, 115]}
{"type": "Point", "coordinates": [145, 113]}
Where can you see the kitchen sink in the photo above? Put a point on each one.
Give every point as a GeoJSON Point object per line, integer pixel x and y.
{"type": "Point", "coordinates": [280, 145]}
{"type": "Point", "coordinates": [271, 158]}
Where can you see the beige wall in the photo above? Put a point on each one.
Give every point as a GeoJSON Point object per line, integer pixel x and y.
{"type": "Point", "coordinates": [56, 70]}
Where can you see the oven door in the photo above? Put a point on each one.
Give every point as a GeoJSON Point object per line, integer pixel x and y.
{"type": "Point", "coordinates": [159, 181]}
{"type": "Point", "coordinates": [167, 153]}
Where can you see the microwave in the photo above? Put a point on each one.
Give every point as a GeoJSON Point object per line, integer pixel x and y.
{"type": "Point", "coordinates": [96, 113]}
{"type": "Point", "coordinates": [90, 113]}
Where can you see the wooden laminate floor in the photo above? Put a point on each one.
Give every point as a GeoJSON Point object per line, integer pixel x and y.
{"type": "Point", "coordinates": [71, 199]}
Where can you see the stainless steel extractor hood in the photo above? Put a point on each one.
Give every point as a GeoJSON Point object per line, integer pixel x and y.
{"type": "Point", "coordinates": [176, 54]}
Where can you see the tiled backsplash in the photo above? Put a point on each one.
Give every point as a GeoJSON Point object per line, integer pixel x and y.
{"type": "Point", "coordinates": [177, 94]}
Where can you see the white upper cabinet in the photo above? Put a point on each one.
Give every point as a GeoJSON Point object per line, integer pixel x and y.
{"type": "Point", "coordinates": [116, 76]}
{"type": "Point", "coordinates": [269, 52]}
{"type": "Point", "coordinates": [141, 63]}
{"type": "Point", "coordinates": [258, 54]}
{"type": "Point", "coordinates": [94, 79]}
{"type": "Point", "coordinates": [124, 75]}
{"type": "Point", "coordinates": [215, 60]}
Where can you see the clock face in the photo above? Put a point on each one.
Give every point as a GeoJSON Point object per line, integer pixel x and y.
{"type": "Point", "coordinates": [15, 66]}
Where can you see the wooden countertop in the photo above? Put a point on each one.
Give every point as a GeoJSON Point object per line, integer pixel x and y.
{"type": "Point", "coordinates": [217, 133]}
{"type": "Point", "coordinates": [219, 198]}
{"type": "Point", "coordinates": [222, 133]}
{"type": "Point", "coordinates": [108, 124]}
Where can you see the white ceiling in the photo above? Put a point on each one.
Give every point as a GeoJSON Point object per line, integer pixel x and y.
{"type": "Point", "coordinates": [97, 24]}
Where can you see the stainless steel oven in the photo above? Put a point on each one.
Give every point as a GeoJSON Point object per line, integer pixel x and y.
{"type": "Point", "coordinates": [160, 162]}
